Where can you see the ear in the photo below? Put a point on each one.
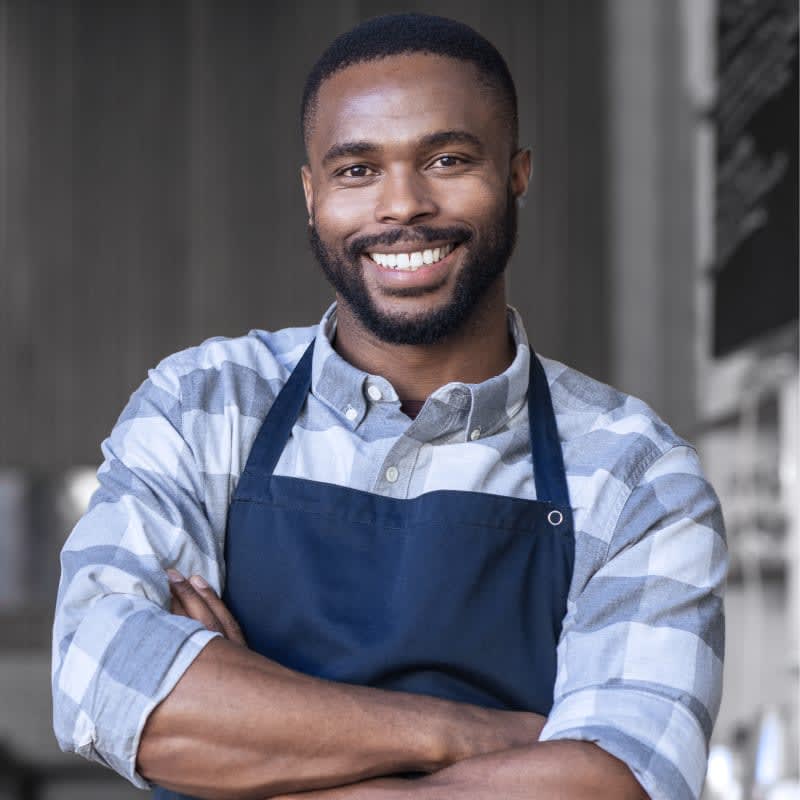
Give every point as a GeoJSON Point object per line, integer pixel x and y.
{"type": "Point", "coordinates": [308, 190]}
{"type": "Point", "coordinates": [521, 171]}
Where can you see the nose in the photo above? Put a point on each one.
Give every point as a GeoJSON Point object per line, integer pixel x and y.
{"type": "Point", "coordinates": [405, 198]}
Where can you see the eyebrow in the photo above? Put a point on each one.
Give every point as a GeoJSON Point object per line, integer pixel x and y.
{"type": "Point", "coordinates": [349, 149]}
{"type": "Point", "coordinates": [431, 140]}
{"type": "Point", "coordinates": [441, 138]}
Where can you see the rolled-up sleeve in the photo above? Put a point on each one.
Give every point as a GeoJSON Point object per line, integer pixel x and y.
{"type": "Point", "coordinates": [641, 653]}
{"type": "Point", "coordinates": [117, 651]}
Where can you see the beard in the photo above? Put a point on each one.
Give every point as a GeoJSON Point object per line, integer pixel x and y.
{"type": "Point", "coordinates": [484, 263]}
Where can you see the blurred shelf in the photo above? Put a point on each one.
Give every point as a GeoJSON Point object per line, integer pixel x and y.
{"type": "Point", "coordinates": [773, 572]}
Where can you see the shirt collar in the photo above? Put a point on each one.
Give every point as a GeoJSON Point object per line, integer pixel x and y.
{"type": "Point", "coordinates": [479, 408]}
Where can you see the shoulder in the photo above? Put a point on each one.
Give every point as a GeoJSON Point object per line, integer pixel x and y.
{"type": "Point", "coordinates": [603, 428]}
{"type": "Point", "coordinates": [613, 444]}
{"type": "Point", "coordinates": [244, 371]}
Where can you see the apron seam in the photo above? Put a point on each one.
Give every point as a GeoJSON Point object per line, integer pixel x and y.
{"type": "Point", "coordinates": [337, 515]}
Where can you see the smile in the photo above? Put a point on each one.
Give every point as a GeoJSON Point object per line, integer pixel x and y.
{"type": "Point", "coordinates": [413, 260]}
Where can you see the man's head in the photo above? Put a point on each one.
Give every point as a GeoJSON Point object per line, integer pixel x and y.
{"type": "Point", "coordinates": [413, 169]}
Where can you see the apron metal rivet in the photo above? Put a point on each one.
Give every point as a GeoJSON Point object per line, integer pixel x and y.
{"type": "Point", "coordinates": [555, 517]}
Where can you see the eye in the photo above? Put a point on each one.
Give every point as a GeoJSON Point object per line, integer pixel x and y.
{"type": "Point", "coordinates": [447, 161]}
{"type": "Point", "coordinates": [356, 171]}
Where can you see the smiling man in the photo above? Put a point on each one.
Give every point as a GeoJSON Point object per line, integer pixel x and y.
{"type": "Point", "coordinates": [398, 541]}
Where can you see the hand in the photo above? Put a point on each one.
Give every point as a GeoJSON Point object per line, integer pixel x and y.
{"type": "Point", "coordinates": [195, 599]}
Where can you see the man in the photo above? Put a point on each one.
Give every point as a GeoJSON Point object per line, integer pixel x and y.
{"type": "Point", "coordinates": [414, 546]}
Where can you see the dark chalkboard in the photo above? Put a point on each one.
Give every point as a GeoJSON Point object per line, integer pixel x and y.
{"type": "Point", "coordinates": [756, 231]}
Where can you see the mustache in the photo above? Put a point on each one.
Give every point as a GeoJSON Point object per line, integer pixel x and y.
{"type": "Point", "coordinates": [419, 234]}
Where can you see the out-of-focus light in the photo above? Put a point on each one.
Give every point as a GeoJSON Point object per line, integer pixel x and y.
{"type": "Point", "coordinates": [785, 790]}
{"type": "Point", "coordinates": [770, 764]}
{"type": "Point", "coordinates": [722, 782]}
{"type": "Point", "coordinates": [79, 486]}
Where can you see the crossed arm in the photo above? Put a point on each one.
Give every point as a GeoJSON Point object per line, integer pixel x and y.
{"type": "Point", "coordinates": [240, 726]}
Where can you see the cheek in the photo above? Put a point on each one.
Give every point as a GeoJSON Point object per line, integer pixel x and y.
{"type": "Point", "coordinates": [476, 200]}
{"type": "Point", "coordinates": [343, 212]}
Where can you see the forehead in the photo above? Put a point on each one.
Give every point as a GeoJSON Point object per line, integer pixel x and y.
{"type": "Point", "coordinates": [404, 95]}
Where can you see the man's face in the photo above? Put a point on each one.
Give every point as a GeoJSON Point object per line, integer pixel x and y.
{"type": "Point", "coordinates": [411, 187]}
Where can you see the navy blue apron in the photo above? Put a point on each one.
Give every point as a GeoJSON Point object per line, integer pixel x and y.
{"type": "Point", "coordinates": [460, 595]}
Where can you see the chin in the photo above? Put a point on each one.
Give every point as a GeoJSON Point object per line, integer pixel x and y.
{"type": "Point", "coordinates": [420, 327]}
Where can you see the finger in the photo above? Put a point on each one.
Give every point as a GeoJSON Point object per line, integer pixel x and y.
{"type": "Point", "coordinates": [176, 607]}
{"type": "Point", "coordinates": [193, 604]}
{"type": "Point", "coordinates": [219, 609]}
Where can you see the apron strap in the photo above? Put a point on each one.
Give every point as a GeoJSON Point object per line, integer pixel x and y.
{"type": "Point", "coordinates": [548, 458]}
{"type": "Point", "coordinates": [277, 427]}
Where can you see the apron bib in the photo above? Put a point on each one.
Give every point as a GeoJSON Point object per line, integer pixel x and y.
{"type": "Point", "coordinates": [459, 595]}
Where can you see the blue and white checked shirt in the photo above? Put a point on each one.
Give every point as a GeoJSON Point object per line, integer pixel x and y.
{"type": "Point", "coordinates": [640, 655]}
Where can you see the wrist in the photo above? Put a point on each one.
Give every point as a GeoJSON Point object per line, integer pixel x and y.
{"type": "Point", "coordinates": [464, 731]}
{"type": "Point", "coordinates": [438, 733]}
{"type": "Point", "coordinates": [435, 739]}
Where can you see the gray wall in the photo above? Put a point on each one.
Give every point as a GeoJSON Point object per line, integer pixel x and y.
{"type": "Point", "coordinates": [149, 191]}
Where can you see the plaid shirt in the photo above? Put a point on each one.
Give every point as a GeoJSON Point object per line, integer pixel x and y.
{"type": "Point", "coordinates": [640, 654]}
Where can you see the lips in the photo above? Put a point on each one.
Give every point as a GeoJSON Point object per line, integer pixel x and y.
{"type": "Point", "coordinates": [412, 281]}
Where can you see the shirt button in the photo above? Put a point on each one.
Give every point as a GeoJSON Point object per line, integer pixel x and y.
{"type": "Point", "coordinates": [350, 413]}
{"type": "Point", "coordinates": [475, 434]}
{"type": "Point", "coordinates": [374, 393]}
{"type": "Point", "coordinates": [392, 474]}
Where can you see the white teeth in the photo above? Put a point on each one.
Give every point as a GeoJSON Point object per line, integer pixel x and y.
{"type": "Point", "coordinates": [411, 261]}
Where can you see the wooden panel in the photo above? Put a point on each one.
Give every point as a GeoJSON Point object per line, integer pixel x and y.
{"type": "Point", "coordinates": [129, 244]}
{"type": "Point", "coordinates": [95, 143]}
{"type": "Point", "coordinates": [54, 414]}
{"type": "Point", "coordinates": [542, 275]}
{"type": "Point", "coordinates": [16, 273]}
{"type": "Point", "coordinates": [250, 263]}
{"type": "Point", "coordinates": [587, 294]}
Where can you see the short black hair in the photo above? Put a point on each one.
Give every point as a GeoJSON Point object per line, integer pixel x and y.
{"type": "Point", "coordinates": [400, 34]}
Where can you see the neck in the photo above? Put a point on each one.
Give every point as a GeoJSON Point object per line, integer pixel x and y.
{"type": "Point", "coordinates": [479, 350]}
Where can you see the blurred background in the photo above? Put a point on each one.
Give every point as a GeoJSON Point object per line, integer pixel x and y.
{"type": "Point", "coordinates": [150, 198]}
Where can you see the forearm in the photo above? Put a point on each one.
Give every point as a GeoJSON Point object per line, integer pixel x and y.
{"type": "Point", "coordinates": [562, 770]}
{"type": "Point", "coordinates": [238, 725]}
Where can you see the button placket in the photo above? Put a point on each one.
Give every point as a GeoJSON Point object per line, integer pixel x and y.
{"type": "Point", "coordinates": [397, 468]}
